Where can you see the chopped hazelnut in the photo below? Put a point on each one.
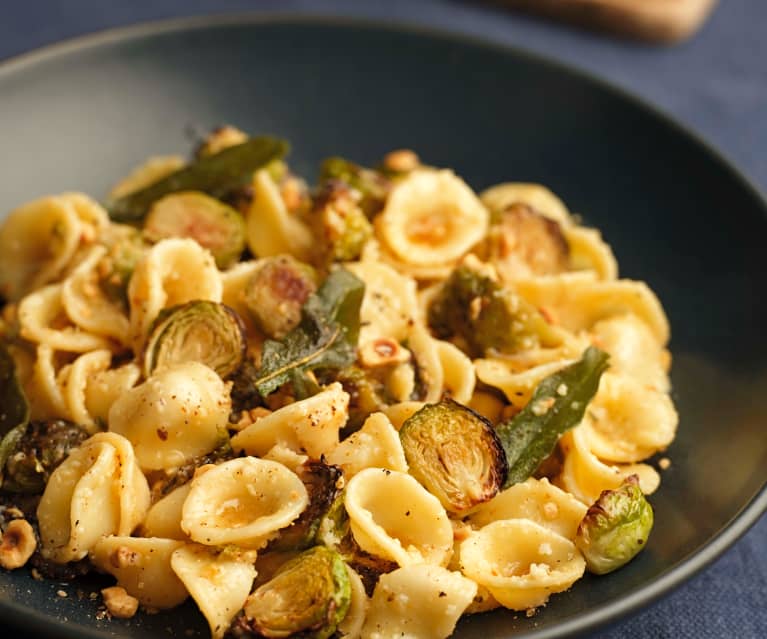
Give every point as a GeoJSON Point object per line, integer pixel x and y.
{"type": "Point", "coordinates": [18, 544]}
{"type": "Point", "coordinates": [401, 161]}
{"type": "Point", "coordinates": [119, 603]}
{"type": "Point", "coordinates": [382, 352]}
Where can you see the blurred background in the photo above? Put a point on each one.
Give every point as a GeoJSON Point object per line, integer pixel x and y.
{"type": "Point", "coordinates": [702, 62]}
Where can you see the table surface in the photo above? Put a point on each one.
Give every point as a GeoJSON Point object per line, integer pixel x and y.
{"type": "Point", "coordinates": [715, 84]}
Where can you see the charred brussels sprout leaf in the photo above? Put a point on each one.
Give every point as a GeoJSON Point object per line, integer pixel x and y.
{"type": "Point", "coordinates": [169, 480]}
{"type": "Point", "coordinates": [321, 481]}
{"type": "Point", "coordinates": [326, 336]}
{"type": "Point", "coordinates": [14, 410]}
{"type": "Point", "coordinates": [276, 292]}
{"type": "Point", "coordinates": [308, 597]}
{"type": "Point", "coordinates": [214, 225]}
{"type": "Point", "coordinates": [615, 528]}
{"type": "Point", "coordinates": [373, 186]}
{"type": "Point", "coordinates": [339, 224]}
{"type": "Point", "coordinates": [199, 331]}
{"type": "Point", "coordinates": [37, 452]}
{"type": "Point", "coordinates": [334, 532]}
{"type": "Point", "coordinates": [14, 407]}
{"type": "Point", "coordinates": [487, 315]}
{"type": "Point", "coordinates": [455, 453]}
{"type": "Point", "coordinates": [217, 175]}
{"type": "Point", "coordinates": [557, 405]}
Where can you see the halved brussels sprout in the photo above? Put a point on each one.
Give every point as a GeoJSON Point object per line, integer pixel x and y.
{"type": "Point", "coordinates": [372, 185]}
{"type": "Point", "coordinates": [38, 450]}
{"type": "Point", "coordinates": [214, 225]}
{"type": "Point", "coordinates": [309, 596]}
{"type": "Point", "coordinates": [198, 331]}
{"type": "Point", "coordinates": [340, 224]}
{"type": "Point", "coordinates": [276, 292]}
{"type": "Point", "coordinates": [490, 317]}
{"type": "Point", "coordinates": [455, 453]}
{"type": "Point", "coordinates": [615, 528]}
{"type": "Point", "coordinates": [322, 481]}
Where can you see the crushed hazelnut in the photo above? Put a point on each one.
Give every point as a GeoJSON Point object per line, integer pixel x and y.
{"type": "Point", "coordinates": [18, 544]}
{"type": "Point", "coordinates": [401, 160]}
{"type": "Point", "coordinates": [119, 603]}
{"type": "Point", "coordinates": [382, 352]}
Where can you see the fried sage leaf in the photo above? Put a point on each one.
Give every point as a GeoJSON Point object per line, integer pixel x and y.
{"type": "Point", "coordinates": [308, 597]}
{"type": "Point", "coordinates": [217, 175]}
{"type": "Point", "coordinates": [557, 405]}
{"type": "Point", "coordinates": [326, 337]}
{"type": "Point", "coordinates": [455, 454]}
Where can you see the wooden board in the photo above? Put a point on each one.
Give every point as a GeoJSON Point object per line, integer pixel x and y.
{"type": "Point", "coordinates": [653, 20]}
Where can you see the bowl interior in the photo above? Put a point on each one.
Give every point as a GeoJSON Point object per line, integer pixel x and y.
{"type": "Point", "coordinates": [80, 117]}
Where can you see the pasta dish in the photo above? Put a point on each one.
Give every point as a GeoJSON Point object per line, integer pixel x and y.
{"type": "Point", "coordinates": [363, 408]}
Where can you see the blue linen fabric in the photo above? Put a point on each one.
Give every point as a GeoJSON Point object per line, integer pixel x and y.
{"type": "Point", "coordinates": [715, 84]}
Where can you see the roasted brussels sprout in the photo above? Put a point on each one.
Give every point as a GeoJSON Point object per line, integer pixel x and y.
{"type": "Point", "coordinates": [309, 596]}
{"type": "Point", "coordinates": [367, 393]}
{"type": "Point", "coordinates": [322, 482]}
{"type": "Point", "coordinates": [214, 225]}
{"type": "Point", "coordinates": [276, 292]}
{"type": "Point", "coordinates": [37, 452]}
{"type": "Point", "coordinates": [125, 248]}
{"type": "Point", "coordinates": [372, 186]}
{"type": "Point", "coordinates": [490, 317]}
{"type": "Point", "coordinates": [615, 528]}
{"type": "Point", "coordinates": [339, 224]}
{"type": "Point", "coordinates": [523, 241]}
{"type": "Point", "coordinates": [455, 453]}
{"type": "Point", "coordinates": [199, 331]}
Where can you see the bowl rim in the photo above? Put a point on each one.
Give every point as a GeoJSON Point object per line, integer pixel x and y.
{"type": "Point", "coordinates": [632, 601]}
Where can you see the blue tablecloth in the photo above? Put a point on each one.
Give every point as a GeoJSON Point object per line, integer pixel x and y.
{"type": "Point", "coordinates": [716, 84]}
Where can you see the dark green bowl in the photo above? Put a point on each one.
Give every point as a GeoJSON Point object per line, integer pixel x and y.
{"type": "Point", "coordinates": [79, 115]}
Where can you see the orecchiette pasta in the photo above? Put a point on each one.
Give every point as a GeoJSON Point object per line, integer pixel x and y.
{"type": "Point", "coordinates": [242, 501]}
{"type": "Point", "coordinates": [98, 490]}
{"type": "Point", "coordinates": [418, 601]}
{"type": "Point", "coordinates": [172, 272]}
{"type": "Point", "coordinates": [142, 566]}
{"type": "Point", "coordinates": [520, 562]}
{"type": "Point", "coordinates": [394, 517]}
{"type": "Point", "coordinates": [178, 413]}
{"type": "Point", "coordinates": [418, 318]}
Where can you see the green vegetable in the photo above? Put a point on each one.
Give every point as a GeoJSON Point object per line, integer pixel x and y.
{"type": "Point", "coordinates": [308, 597]}
{"type": "Point", "coordinates": [326, 337]}
{"type": "Point", "coordinates": [215, 175]}
{"type": "Point", "coordinates": [557, 405]}
{"type": "Point", "coordinates": [199, 331]}
{"type": "Point", "coordinates": [615, 528]}
{"type": "Point", "coordinates": [339, 224]}
{"type": "Point", "coordinates": [373, 186]}
{"type": "Point", "coordinates": [322, 481]}
{"type": "Point", "coordinates": [276, 292]}
{"type": "Point", "coordinates": [14, 409]}
{"type": "Point", "coordinates": [367, 393]}
{"type": "Point", "coordinates": [334, 532]}
{"type": "Point", "coordinates": [213, 224]}
{"type": "Point", "coordinates": [455, 453]}
{"type": "Point", "coordinates": [30, 453]}
{"type": "Point", "coordinates": [487, 315]}
{"type": "Point", "coordinates": [125, 248]}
